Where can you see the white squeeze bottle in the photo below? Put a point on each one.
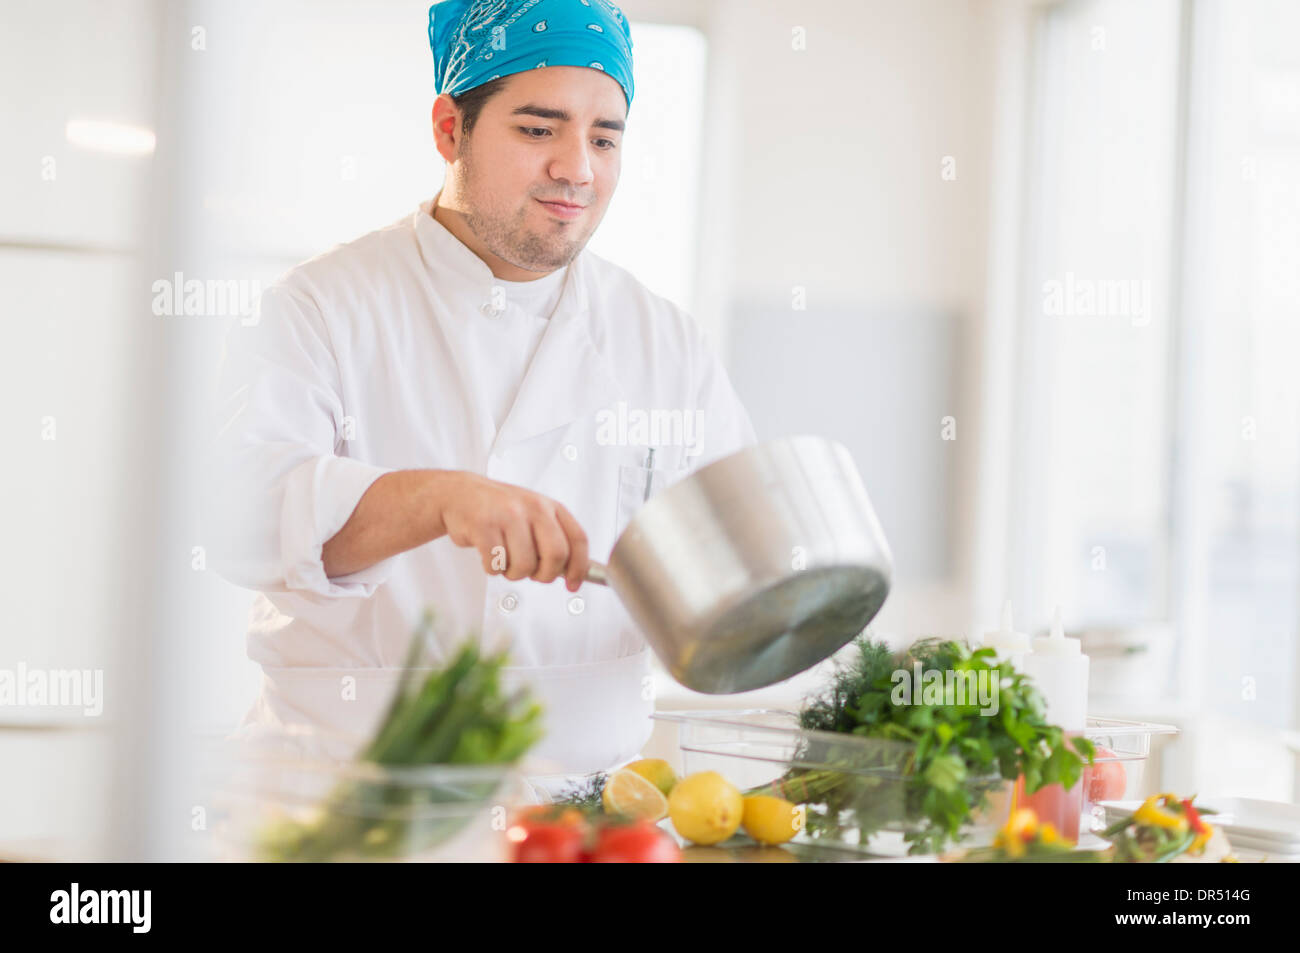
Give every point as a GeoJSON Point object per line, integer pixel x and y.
{"type": "Point", "coordinates": [1009, 645]}
{"type": "Point", "coordinates": [1059, 669]}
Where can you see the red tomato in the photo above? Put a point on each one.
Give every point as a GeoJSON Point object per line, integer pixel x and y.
{"type": "Point", "coordinates": [549, 844]}
{"type": "Point", "coordinates": [1105, 780]}
{"type": "Point", "coordinates": [637, 843]}
{"type": "Point", "coordinates": [536, 815]}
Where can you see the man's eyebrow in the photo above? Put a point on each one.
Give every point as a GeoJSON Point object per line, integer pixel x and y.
{"type": "Point", "coordinates": [546, 112]}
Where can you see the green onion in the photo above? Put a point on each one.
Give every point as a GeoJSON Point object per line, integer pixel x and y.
{"type": "Point", "coordinates": [456, 716]}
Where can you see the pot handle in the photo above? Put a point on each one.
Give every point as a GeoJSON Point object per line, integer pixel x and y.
{"type": "Point", "coordinates": [597, 573]}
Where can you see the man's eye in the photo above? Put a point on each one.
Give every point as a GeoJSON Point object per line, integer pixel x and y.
{"type": "Point", "coordinates": [529, 130]}
{"type": "Point", "coordinates": [610, 143]}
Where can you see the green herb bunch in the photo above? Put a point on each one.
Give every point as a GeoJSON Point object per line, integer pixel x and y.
{"type": "Point", "coordinates": [457, 716]}
{"type": "Point", "coordinates": [585, 794]}
{"type": "Point", "coordinates": [937, 763]}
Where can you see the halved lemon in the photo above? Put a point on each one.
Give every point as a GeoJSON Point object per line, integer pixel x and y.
{"type": "Point", "coordinates": [629, 794]}
{"type": "Point", "coordinates": [657, 771]}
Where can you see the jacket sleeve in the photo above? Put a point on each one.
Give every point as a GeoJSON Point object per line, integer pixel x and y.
{"type": "Point", "coordinates": [278, 487]}
{"type": "Point", "coordinates": [726, 424]}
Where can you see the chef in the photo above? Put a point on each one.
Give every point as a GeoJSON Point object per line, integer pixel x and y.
{"type": "Point", "coordinates": [461, 409]}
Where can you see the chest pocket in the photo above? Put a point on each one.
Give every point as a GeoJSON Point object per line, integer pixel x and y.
{"type": "Point", "coordinates": [637, 482]}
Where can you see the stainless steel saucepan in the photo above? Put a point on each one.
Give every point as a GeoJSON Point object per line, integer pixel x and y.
{"type": "Point", "coordinates": [755, 567]}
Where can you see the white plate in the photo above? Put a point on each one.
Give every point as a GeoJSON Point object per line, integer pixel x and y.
{"type": "Point", "coordinates": [1273, 824]}
{"type": "Point", "coordinates": [1254, 843]}
{"type": "Point", "coordinates": [1249, 855]}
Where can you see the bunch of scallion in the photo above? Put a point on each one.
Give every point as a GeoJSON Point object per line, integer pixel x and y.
{"type": "Point", "coordinates": [937, 763]}
{"type": "Point", "coordinates": [456, 716]}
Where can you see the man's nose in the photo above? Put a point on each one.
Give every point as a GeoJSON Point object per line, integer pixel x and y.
{"type": "Point", "coordinates": [572, 160]}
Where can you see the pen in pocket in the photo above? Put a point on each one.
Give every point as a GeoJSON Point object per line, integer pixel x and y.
{"type": "Point", "coordinates": [649, 472]}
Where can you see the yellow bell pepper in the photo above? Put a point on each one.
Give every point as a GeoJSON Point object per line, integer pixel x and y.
{"type": "Point", "coordinates": [1152, 813]}
{"type": "Point", "coordinates": [1020, 829]}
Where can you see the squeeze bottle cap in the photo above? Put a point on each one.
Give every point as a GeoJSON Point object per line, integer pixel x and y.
{"type": "Point", "coordinates": [1007, 639]}
{"type": "Point", "coordinates": [1056, 643]}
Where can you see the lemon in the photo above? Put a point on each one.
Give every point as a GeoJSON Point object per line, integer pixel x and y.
{"type": "Point", "coordinates": [706, 808]}
{"type": "Point", "coordinates": [771, 820]}
{"type": "Point", "coordinates": [629, 794]}
{"type": "Point", "coordinates": [657, 771]}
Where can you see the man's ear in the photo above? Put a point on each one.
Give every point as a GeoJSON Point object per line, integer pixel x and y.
{"type": "Point", "coordinates": [447, 127]}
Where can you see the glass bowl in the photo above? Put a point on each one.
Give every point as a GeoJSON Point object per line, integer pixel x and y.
{"type": "Point", "coordinates": [284, 799]}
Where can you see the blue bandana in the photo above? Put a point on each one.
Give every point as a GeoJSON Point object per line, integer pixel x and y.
{"type": "Point", "coordinates": [476, 41]}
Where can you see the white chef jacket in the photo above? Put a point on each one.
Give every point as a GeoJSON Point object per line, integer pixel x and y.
{"type": "Point", "coordinates": [510, 341]}
{"type": "Point", "coordinates": [379, 355]}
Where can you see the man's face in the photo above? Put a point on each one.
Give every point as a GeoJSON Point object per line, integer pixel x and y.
{"type": "Point", "coordinates": [551, 134]}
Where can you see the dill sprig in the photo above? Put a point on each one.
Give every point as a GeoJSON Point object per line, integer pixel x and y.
{"type": "Point", "coordinates": [585, 794]}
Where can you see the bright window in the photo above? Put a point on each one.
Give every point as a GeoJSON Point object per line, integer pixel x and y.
{"type": "Point", "coordinates": [1158, 459]}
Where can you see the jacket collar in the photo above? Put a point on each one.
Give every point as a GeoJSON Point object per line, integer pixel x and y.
{"type": "Point", "coordinates": [441, 249]}
{"type": "Point", "coordinates": [568, 378]}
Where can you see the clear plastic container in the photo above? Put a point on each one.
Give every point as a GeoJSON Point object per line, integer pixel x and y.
{"type": "Point", "coordinates": [1118, 772]}
{"type": "Point", "coordinates": [869, 779]}
{"type": "Point", "coordinates": [271, 803]}
{"type": "Point", "coordinates": [858, 792]}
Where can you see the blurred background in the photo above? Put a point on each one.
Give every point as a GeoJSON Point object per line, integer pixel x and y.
{"type": "Point", "coordinates": [1037, 264]}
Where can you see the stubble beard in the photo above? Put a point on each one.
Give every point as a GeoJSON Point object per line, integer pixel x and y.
{"type": "Point", "coordinates": [507, 235]}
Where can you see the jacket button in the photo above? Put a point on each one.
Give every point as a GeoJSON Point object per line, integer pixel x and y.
{"type": "Point", "coordinates": [491, 310]}
{"type": "Point", "coordinates": [508, 603]}
{"type": "Point", "coordinates": [576, 605]}
{"type": "Point", "coordinates": [570, 452]}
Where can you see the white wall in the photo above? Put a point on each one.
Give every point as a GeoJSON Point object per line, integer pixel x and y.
{"type": "Point", "coordinates": [71, 221]}
{"type": "Point", "coordinates": [828, 164]}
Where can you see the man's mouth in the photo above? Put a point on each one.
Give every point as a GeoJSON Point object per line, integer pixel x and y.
{"type": "Point", "coordinates": [563, 209]}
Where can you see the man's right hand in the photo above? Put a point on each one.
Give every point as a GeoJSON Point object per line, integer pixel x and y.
{"type": "Point", "coordinates": [518, 533]}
